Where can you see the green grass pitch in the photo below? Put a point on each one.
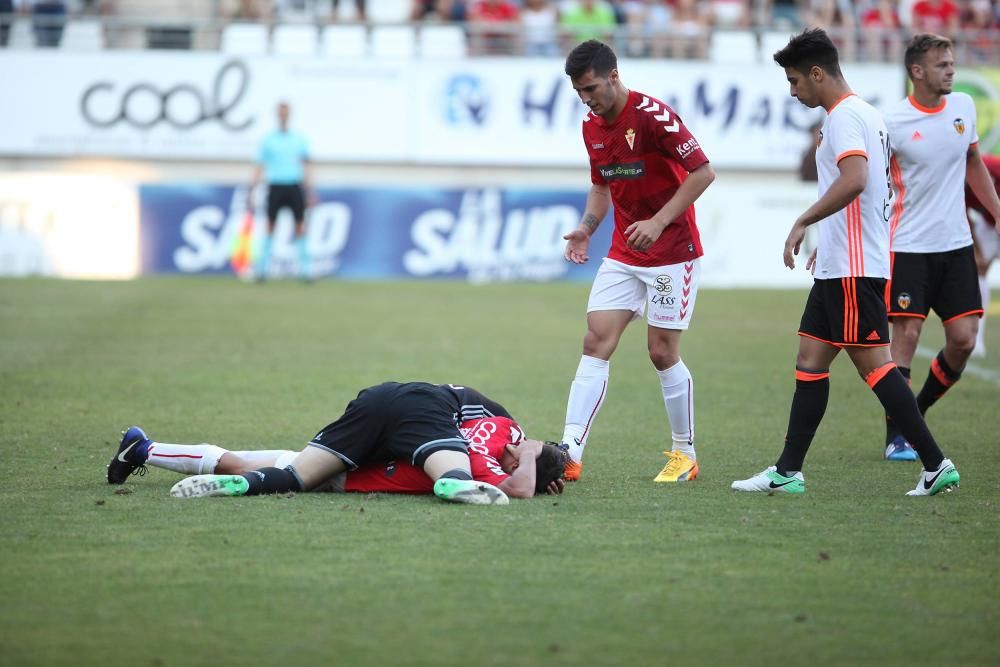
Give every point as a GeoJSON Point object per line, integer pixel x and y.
{"type": "Point", "coordinates": [617, 571]}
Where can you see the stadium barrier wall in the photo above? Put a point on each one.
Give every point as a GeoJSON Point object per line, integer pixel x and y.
{"type": "Point", "coordinates": [502, 111]}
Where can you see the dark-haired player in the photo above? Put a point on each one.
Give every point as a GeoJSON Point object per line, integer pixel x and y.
{"type": "Point", "coordinates": [499, 454]}
{"type": "Point", "coordinates": [846, 306]}
{"type": "Point", "coordinates": [413, 421]}
{"type": "Point", "coordinates": [935, 154]}
{"type": "Point", "coordinates": [644, 161]}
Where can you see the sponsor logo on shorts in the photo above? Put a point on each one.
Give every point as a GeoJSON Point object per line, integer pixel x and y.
{"type": "Point", "coordinates": [663, 285]}
{"type": "Point", "coordinates": [904, 300]}
{"type": "Point", "coordinates": [959, 125]}
{"type": "Point", "coordinates": [627, 171]}
{"type": "Point", "coordinates": [688, 147]}
{"type": "Point", "coordinates": [663, 300]}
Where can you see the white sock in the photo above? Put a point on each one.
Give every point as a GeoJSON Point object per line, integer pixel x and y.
{"type": "Point", "coordinates": [984, 291]}
{"type": "Point", "coordinates": [678, 397]}
{"type": "Point", "coordinates": [586, 395]}
{"type": "Point", "coordinates": [185, 459]}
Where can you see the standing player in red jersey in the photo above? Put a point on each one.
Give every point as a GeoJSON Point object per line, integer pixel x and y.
{"type": "Point", "coordinates": [645, 162]}
{"type": "Point", "coordinates": [986, 233]}
{"type": "Point", "coordinates": [499, 454]}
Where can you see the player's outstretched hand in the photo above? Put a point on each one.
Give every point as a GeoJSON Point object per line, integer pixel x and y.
{"type": "Point", "coordinates": [577, 242]}
{"type": "Point", "coordinates": [793, 243]}
{"type": "Point", "coordinates": [642, 234]}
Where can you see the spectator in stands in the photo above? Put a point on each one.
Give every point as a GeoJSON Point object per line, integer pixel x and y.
{"type": "Point", "coordinates": [493, 27]}
{"type": "Point", "coordinates": [248, 10]}
{"type": "Point", "coordinates": [935, 16]}
{"type": "Point", "coordinates": [6, 15]}
{"type": "Point", "coordinates": [880, 31]}
{"type": "Point", "coordinates": [588, 19]}
{"type": "Point", "coordinates": [781, 14]}
{"type": "Point", "coordinates": [648, 23]}
{"type": "Point", "coordinates": [726, 13]}
{"type": "Point", "coordinates": [837, 18]}
{"type": "Point", "coordinates": [48, 20]}
{"type": "Point", "coordinates": [978, 21]}
{"type": "Point", "coordinates": [539, 21]}
{"type": "Point", "coordinates": [441, 11]}
{"type": "Point", "coordinates": [359, 10]}
{"type": "Point", "coordinates": [689, 31]}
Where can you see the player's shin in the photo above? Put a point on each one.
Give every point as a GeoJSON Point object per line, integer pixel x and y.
{"type": "Point", "coordinates": [812, 392]}
{"type": "Point", "coordinates": [185, 459]}
{"type": "Point", "coordinates": [586, 395]}
{"type": "Point", "coordinates": [677, 387]}
{"type": "Point", "coordinates": [892, 391]}
{"type": "Point", "coordinates": [940, 379]}
{"type": "Point", "coordinates": [272, 480]}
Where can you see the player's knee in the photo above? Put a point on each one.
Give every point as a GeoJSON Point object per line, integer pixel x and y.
{"type": "Point", "coordinates": [963, 343]}
{"type": "Point", "coordinates": [596, 345]}
{"type": "Point", "coordinates": [231, 464]}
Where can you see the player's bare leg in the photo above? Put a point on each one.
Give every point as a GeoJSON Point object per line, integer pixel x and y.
{"type": "Point", "coordinates": [589, 387]}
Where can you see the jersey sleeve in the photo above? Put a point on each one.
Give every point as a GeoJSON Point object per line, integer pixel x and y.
{"type": "Point", "coordinates": [847, 135]}
{"type": "Point", "coordinates": [485, 468]}
{"type": "Point", "coordinates": [672, 137]}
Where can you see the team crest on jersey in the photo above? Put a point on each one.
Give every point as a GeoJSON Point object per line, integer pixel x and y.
{"type": "Point", "coordinates": [959, 125]}
{"type": "Point", "coordinates": [904, 300]}
{"type": "Point", "coordinates": [630, 138]}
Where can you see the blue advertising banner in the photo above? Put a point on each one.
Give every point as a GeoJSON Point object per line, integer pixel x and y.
{"type": "Point", "coordinates": [475, 234]}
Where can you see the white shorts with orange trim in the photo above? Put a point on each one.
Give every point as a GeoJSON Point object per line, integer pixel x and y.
{"type": "Point", "coordinates": [665, 293]}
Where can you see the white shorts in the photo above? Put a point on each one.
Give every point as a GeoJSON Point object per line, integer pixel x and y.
{"type": "Point", "coordinates": [987, 237]}
{"type": "Point", "coordinates": [666, 293]}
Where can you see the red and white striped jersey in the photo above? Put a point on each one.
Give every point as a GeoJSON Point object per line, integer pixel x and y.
{"type": "Point", "coordinates": [930, 148]}
{"type": "Point", "coordinates": [854, 241]}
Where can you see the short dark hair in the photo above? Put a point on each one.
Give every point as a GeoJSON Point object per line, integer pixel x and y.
{"type": "Point", "coordinates": [920, 45]}
{"type": "Point", "coordinates": [549, 466]}
{"type": "Point", "coordinates": [591, 55]}
{"type": "Point", "coordinates": [811, 48]}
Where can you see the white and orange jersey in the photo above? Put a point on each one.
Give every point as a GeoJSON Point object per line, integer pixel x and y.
{"type": "Point", "coordinates": [854, 241]}
{"type": "Point", "coordinates": [928, 173]}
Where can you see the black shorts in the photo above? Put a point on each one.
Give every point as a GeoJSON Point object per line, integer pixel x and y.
{"type": "Point", "coordinates": [286, 196]}
{"type": "Point", "coordinates": [394, 421]}
{"type": "Point", "coordinates": [847, 312]}
{"type": "Point", "coordinates": [946, 282]}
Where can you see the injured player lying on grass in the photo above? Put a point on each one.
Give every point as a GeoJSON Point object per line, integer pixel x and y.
{"type": "Point", "coordinates": [499, 455]}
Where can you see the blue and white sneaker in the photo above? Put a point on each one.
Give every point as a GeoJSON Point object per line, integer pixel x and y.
{"type": "Point", "coordinates": [900, 450]}
{"type": "Point", "coordinates": [131, 456]}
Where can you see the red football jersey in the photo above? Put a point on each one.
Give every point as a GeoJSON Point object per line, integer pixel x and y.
{"type": "Point", "coordinates": [992, 163]}
{"type": "Point", "coordinates": [487, 439]}
{"type": "Point", "coordinates": [643, 157]}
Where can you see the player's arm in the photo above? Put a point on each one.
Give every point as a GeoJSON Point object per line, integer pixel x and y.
{"type": "Point", "coordinates": [578, 240]}
{"type": "Point", "coordinates": [521, 483]}
{"type": "Point", "coordinates": [848, 186]}
{"type": "Point", "coordinates": [981, 183]}
{"type": "Point", "coordinates": [258, 172]}
{"type": "Point", "coordinates": [643, 233]}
